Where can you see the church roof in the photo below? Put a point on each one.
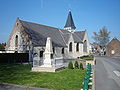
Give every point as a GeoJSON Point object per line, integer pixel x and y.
{"type": "Point", "coordinates": [70, 22]}
{"type": "Point", "coordinates": [39, 34]}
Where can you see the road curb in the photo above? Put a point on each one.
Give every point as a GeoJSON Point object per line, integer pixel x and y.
{"type": "Point", "coordinates": [93, 87]}
{"type": "Point", "coordinates": [9, 86]}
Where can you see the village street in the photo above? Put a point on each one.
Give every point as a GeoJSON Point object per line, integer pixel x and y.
{"type": "Point", "coordinates": [107, 73]}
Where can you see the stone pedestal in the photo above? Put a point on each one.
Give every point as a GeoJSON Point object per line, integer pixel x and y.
{"type": "Point", "coordinates": [47, 69]}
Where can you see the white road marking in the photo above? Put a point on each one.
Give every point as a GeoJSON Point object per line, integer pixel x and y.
{"type": "Point", "coordinates": [117, 73]}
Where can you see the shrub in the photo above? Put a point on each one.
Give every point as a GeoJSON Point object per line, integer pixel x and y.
{"type": "Point", "coordinates": [76, 64]}
{"type": "Point", "coordinates": [87, 57]}
{"type": "Point", "coordinates": [70, 65]}
{"type": "Point", "coordinates": [81, 66]}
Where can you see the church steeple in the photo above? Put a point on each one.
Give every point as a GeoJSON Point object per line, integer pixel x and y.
{"type": "Point", "coordinates": [69, 23]}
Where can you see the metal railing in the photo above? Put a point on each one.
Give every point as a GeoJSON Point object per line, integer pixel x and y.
{"type": "Point", "coordinates": [55, 62]}
{"type": "Point", "coordinates": [87, 77]}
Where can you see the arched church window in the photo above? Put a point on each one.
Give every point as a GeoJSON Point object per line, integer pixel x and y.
{"type": "Point", "coordinates": [51, 56]}
{"type": "Point", "coordinates": [85, 46]}
{"type": "Point", "coordinates": [17, 24]}
{"type": "Point", "coordinates": [16, 41]}
{"type": "Point", "coordinates": [27, 51]}
{"type": "Point", "coordinates": [41, 54]}
{"type": "Point", "coordinates": [77, 47]}
{"type": "Point", "coordinates": [70, 47]}
{"type": "Point", "coordinates": [62, 50]}
{"type": "Point", "coordinates": [53, 50]}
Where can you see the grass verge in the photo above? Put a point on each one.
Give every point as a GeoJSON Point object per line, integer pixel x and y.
{"type": "Point", "coordinates": [67, 79]}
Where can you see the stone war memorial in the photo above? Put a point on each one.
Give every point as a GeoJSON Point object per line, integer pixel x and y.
{"type": "Point", "coordinates": [48, 63]}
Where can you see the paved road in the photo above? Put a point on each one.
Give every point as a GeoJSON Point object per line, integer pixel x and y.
{"type": "Point", "coordinates": [107, 73]}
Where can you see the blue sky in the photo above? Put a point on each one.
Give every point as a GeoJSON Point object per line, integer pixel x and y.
{"type": "Point", "coordinates": [87, 14]}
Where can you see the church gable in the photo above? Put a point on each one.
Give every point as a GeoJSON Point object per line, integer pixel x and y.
{"type": "Point", "coordinates": [17, 38]}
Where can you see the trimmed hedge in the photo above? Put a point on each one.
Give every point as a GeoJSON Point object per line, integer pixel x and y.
{"type": "Point", "coordinates": [81, 66]}
{"type": "Point", "coordinates": [76, 65]}
{"type": "Point", "coordinates": [70, 65]}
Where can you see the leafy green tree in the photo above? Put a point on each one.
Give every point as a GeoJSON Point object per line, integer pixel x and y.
{"type": "Point", "coordinates": [70, 65]}
{"type": "Point", "coordinates": [76, 64]}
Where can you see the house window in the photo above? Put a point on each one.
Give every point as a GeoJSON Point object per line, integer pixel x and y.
{"type": "Point", "coordinates": [41, 54]}
{"type": "Point", "coordinates": [16, 41]}
{"type": "Point", "coordinates": [77, 47]}
{"type": "Point", "coordinates": [112, 52]}
{"type": "Point", "coordinates": [62, 50]}
{"type": "Point", "coordinates": [70, 47]}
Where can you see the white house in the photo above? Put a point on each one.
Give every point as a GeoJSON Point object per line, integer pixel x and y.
{"type": "Point", "coordinates": [67, 43]}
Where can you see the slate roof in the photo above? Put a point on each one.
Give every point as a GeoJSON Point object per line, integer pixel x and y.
{"type": "Point", "coordinates": [70, 22]}
{"type": "Point", "coordinates": [39, 34]}
{"type": "Point", "coordinates": [59, 37]}
{"type": "Point", "coordinates": [66, 37]}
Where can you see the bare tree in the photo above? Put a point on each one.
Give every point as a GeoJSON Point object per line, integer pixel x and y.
{"type": "Point", "coordinates": [102, 37]}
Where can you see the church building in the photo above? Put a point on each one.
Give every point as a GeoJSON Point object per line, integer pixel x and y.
{"type": "Point", "coordinates": [39, 40]}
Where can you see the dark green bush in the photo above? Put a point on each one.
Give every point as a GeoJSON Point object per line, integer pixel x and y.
{"type": "Point", "coordinates": [70, 65]}
{"type": "Point", "coordinates": [76, 64]}
{"type": "Point", "coordinates": [87, 57]}
{"type": "Point", "coordinates": [81, 66]}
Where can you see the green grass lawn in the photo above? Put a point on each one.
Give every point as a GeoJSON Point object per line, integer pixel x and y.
{"type": "Point", "coordinates": [66, 79]}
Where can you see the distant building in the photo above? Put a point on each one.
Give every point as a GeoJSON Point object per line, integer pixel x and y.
{"type": "Point", "coordinates": [67, 43]}
{"type": "Point", "coordinates": [113, 48]}
{"type": "Point", "coordinates": [95, 48]}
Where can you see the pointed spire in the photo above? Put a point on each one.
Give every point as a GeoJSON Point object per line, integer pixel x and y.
{"type": "Point", "coordinates": [69, 23]}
